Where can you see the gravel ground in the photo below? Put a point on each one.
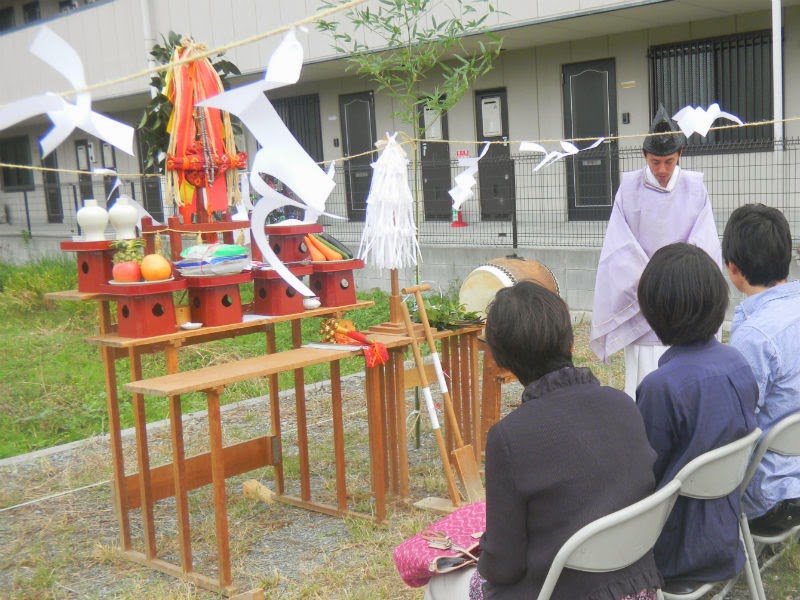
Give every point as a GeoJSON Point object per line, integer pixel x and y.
{"type": "Point", "coordinates": [59, 534]}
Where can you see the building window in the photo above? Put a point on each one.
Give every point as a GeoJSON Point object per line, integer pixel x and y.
{"type": "Point", "coordinates": [52, 190]}
{"type": "Point", "coordinates": [31, 12]}
{"type": "Point", "coordinates": [16, 151]}
{"type": "Point", "coordinates": [734, 71]}
{"type": "Point", "coordinates": [301, 116]}
{"type": "Point", "coordinates": [67, 5]}
{"type": "Point", "coordinates": [6, 18]}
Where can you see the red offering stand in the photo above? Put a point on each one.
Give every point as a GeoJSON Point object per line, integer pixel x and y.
{"type": "Point", "coordinates": [215, 300]}
{"type": "Point", "coordinates": [146, 308]}
{"type": "Point", "coordinates": [95, 262]}
{"type": "Point", "coordinates": [333, 281]}
{"type": "Point", "coordinates": [273, 296]}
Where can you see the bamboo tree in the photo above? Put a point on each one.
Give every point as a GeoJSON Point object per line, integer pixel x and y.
{"type": "Point", "coordinates": [421, 53]}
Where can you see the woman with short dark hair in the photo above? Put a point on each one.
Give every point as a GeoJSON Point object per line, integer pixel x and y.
{"type": "Point", "coordinates": [574, 451]}
{"type": "Point", "coordinates": [702, 396]}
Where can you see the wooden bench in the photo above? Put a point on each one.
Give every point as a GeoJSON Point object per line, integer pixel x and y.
{"type": "Point", "coordinates": [185, 474]}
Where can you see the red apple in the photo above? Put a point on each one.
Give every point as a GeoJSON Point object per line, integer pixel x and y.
{"type": "Point", "coordinates": [127, 271]}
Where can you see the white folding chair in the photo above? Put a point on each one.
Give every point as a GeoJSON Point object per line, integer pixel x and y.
{"type": "Point", "coordinates": [783, 438]}
{"type": "Point", "coordinates": [715, 474]}
{"type": "Point", "coordinates": [615, 541]}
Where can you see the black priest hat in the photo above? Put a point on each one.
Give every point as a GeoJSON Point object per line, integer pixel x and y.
{"type": "Point", "coordinates": [663, 144]}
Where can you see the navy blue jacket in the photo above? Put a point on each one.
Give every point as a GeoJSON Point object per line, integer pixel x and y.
{"type": "Point", "coordinates": [701, 397]}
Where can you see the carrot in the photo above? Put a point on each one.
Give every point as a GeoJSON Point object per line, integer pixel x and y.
{"type": "Point", "coordinates": [327, 252]}
{"type": "Point", "coordinates": [316, 255]}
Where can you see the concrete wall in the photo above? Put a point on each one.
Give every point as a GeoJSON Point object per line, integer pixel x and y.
{"type": "Point", "coordinates": [574, 268]}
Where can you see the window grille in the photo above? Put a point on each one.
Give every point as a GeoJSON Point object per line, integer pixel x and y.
{"type": "Point", "coordinates": [16, 151]}
{"type": "Point", "coordinates": [734, 71]}
{"type": "Point", "coordinates": [301, 116]}
{"type": "Point", "coordinates": [6, 18]}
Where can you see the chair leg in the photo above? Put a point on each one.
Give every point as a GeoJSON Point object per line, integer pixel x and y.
{"type": "Point", "coordinates": [727, 589]}
{"type": "Point", "coordinates": [751, 581]}
{"type": "Point", "coordinates": [752, 572]}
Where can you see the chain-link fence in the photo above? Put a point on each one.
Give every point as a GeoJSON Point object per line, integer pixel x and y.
{"type": "Point", "coordinates": [534, 208]}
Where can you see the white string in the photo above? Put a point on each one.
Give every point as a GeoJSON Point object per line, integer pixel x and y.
{"type": "Point", "coordinates": [59, 494]}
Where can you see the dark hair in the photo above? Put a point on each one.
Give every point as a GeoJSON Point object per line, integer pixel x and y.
{"type": "Point", "coordinates": [758, 241]}
{"type": "Point", "coordinates": [683, 294]}
{"type": "Point", "coordinates": [529, 331]}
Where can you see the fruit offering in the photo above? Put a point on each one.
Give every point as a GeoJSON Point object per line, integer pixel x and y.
{"type": "Point", "coordinates": [128, 271]}
{"type": "Point", "coordinates": [155, 267]}
{"type": "Point", "coordinates": [127, 257]}
{"type": "Point", "coordinates": [131, 265]}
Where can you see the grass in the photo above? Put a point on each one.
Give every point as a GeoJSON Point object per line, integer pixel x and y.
{"type": "Point", "coordinates": [53, 381]}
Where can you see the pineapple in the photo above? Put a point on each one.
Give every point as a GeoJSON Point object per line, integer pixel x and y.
{"type": "Point", "coordinates": [128, 251]}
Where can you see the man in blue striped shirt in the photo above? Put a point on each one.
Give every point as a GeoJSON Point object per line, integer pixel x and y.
{"type": "Point", "coordinates": [757, 249]}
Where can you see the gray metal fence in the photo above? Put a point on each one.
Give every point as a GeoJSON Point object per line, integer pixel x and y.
{"type": "Point", "coordinates": [734, 176]}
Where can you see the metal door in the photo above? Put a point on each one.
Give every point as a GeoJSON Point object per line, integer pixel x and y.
{"type": "Point", "coordinates": [52, 190]}
{"type": "Point", "coordinates": [435, 164]}
{"type": "Point", "coordinates": [84, 159]}
{"type": "Point", "coordinates": [357, 115]}
{"type": "Point", "coordinates": [495, 169]}
{"type": "Point", "coordinates": [151, 185]}
{"type": "Point", "coordinates": [590, 111]}
{"type": "Point", "coordinates": [109, 159]}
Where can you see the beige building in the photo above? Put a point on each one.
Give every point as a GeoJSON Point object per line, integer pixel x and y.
{"type": "Point", "coordinates": [569, 69]}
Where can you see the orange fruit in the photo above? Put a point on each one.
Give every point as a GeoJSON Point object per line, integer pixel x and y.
{"type": "Point", "coordinates": [155, 267]}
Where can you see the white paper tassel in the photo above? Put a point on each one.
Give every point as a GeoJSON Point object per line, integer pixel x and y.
{"type": "Point", "coordinates": [389, 240]}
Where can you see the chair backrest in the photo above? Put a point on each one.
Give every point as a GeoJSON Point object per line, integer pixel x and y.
{"type": "Point", "coordinates": [718, 472]}
{"type": "Point", "coordinates": [783, 438]}
{"type": "Point", "coordinates": [615, 541]}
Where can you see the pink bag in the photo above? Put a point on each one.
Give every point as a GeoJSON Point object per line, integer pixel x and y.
{"type": "Point", "coordinates": [448, 544]}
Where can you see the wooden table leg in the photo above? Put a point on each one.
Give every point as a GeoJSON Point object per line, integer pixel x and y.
{"type": "Point", "coordinates": [120, 495]}
{"type": "Point", "coordinates": [120, 491]}
{"type": "Point", "coordinates": [475, 406]}
{"type": "Point", "coordinates": [376, 442]}
{"type": "Point", "coordinates": [302, 424]}
{"type": "Point", "coordinates": [449, 364]}
{"type": "Point", "coordinates": [275, 410]}
{"type": "Point", "coordinates": [338, 436]}
{"type": "Point", "coordinates": [143, 456]}
{"type": "Point", "coordinates": [490, 395]}
{"type": "Point", "coordinates": [464, 413]}
{"type": "Point", "coordinates": [218, 483]}
{"type": "Point", "coordinates": [179, 467]}
{"type": "Point", "coordinates": [390, 427]}
{"type": "Point", "coordinates": [397, 375]}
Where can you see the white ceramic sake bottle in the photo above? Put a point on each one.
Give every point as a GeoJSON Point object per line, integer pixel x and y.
{"type": "Point", "coordinates": [124, 217]}
{"type": "Point", "coordinates": [92, 220]}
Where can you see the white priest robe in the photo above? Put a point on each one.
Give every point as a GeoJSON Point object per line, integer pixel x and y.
{"type": "Point", "coordinates": [645, 218]}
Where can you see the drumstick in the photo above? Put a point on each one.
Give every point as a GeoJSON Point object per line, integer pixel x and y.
{"type": "Point", "coordinates": [455, 497]}
{"type": "Point", "coordinates": [464, 456]}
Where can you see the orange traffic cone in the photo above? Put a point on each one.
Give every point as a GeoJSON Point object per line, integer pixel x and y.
{"type": "Point", "coordinates": [458, 219]}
